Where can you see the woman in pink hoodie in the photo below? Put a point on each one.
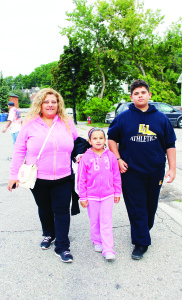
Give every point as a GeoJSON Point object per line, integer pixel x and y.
{"type": "Point", "coordinates": [53, 187]}
{"type": "Point", "coordinates": [99, 186]}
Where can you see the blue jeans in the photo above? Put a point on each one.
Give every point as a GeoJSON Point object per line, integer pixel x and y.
{"type": "Point", "coordinates": [53, 199]}
{"type": "Point", "coordinates": [14, 136]}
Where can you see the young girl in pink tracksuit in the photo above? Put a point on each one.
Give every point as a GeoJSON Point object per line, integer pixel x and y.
{"type": "Point", "coordinates": [99, 186]}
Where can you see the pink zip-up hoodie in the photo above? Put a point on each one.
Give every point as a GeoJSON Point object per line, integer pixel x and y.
{"type": "Point", "coordinates": [55, 160]}
{"type": "Point", "coordinates": [98, 177]}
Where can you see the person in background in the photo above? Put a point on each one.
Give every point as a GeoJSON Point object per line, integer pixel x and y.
{"type": "Point", "coordinates": [99, 186]}
{"type": "Point", "coordinates": [14, 121]}
{"type": "Point", "coordinates": [145, 136]}
{"type": "Point", "coordinates": [53, 187]}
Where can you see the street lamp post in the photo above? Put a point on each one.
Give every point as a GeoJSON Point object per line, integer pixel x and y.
{"type": "Point", "coordinates": [1, 78]}
{"type": "Point", "coordinates": [74, 109]}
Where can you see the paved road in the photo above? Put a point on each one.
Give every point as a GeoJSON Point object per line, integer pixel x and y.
{"type": "Point", "coordinates": [27, 272]}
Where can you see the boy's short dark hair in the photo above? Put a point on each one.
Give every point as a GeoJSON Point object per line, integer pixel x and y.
{"type": "Point", "coordinates": [138, 83]}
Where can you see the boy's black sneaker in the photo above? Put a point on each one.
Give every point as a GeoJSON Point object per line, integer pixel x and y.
{"type": "Point", "coordinates": [65, 256]}
{"type": "Point", "coordinates": [46, 243]}
{"type": "Point", "coordinates": [139, 251]}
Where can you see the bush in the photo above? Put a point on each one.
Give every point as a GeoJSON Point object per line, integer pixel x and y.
{"type": "Point", "coordinates": [81, 116]}
{"type": "Point", "coordinates": [97, 109]}
{"type": "Point", "coordinates": [22, 105]}
{"type": "Point", "coordinates": [4, 93]}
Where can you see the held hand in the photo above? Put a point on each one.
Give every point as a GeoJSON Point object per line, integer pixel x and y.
{"type": "Point", "coordinates": [78, 158]}
{"type": "Point", "coordinates": [116, 199]}
{"type": "Point", "coordinates": [123, 167]}
{"type": "Point", "coordinates": [170, 175]}
{"type": "Point", "coordinates": [11, 183]}
{"type": "Point", "coordinates": [84, 203]}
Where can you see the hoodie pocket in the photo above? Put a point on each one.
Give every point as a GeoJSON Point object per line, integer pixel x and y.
{"type": "Point", "coordinates": [89, 187]}
{"type": "Point", "coordinates": [110, 183]}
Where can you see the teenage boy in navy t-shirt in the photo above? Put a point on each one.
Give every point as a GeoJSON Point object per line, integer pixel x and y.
{"type": "Point", "coordinates": [145, 136]}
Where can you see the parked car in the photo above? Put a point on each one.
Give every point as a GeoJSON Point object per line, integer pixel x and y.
{"type": "Point", "coordinates": [111, 115]}
{"type": "Point", "coordinates": [174, 115]}
{"type": "Point", "coordinates": [69, 111]}
{"type": "Point", "coordinates": [121, 107]}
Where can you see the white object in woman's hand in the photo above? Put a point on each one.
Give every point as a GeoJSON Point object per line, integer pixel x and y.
{"type": "Point", "coordinates": [78, 158]}
{"type": "Point", "coordinates": [167, 179]}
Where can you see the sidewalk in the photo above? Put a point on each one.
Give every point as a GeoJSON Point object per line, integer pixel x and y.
{"type": "Point", "coordinates": [27, 272]}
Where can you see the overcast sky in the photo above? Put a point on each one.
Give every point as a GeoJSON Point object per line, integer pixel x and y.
{"type": "Point", "coordinates": [29, 31]}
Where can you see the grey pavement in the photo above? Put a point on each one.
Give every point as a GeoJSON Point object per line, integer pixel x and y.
{"type": "Point", "coordinates": [27, 272]}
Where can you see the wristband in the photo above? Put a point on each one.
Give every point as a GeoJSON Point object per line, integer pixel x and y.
{"type": "Point", "coordinates": [119, 158]}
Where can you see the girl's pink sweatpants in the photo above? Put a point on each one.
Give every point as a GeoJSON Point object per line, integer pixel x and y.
{"type": "Point", "coordinates": [100, 215]}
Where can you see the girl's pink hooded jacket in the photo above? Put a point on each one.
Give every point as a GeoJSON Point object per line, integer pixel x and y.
{"type": "Point", "coordinates": [55, 160]}
{"type": "Point", "coordinates": [98, 177]}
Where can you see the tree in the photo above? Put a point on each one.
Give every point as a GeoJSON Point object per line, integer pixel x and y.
{"type": "Point", "coordinates": [97, 109]}
{"type": "Point", "coordinates": [41, 76]}
{"type": "Point", "coordinates": [134, 30]}
{"type": "Point", "coordinates": [18, 82]}
{"type": "Point", "coordinates": [149, 54]}
{"type": "Point", "coordinates": [24, 99]}
{"type": "Point", "coordinates": [62, 77]}
{"type": "Point", "coordinates": [4, 91]}
{"type": "Point", "coordinates": [89, 31]}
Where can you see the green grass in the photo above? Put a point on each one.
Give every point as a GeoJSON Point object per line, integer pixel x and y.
{"type": "Point", "coordinates": [100, 125]}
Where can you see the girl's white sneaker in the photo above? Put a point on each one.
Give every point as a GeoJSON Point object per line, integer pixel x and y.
{"type": "Point", "coordinates": [110, 256]}
{"type": "Point", "coordinates": [98, 248]}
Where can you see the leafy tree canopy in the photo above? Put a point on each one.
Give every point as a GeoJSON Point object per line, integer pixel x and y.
{"type": "Point", "coordinates": [4, 94]}
{"type": "Point", "coordinates": [124, 43]}
{"type": "Point", "coordinates": [62, 79]}
{"type": "Point", "coordinates": [41, 76]}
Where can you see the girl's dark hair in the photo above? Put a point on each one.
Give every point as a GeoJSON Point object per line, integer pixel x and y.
{"type": "Point", "coordinates": [139, 83]}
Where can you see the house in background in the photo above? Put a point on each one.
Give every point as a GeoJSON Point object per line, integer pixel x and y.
{"type": "Point", "coordinates": [31, 92]}
{"type": "Point", "coordinates": [14, 98]}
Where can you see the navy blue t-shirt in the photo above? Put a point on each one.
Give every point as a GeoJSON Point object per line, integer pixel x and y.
{"type": "Point", "coordinates": [143, 139]}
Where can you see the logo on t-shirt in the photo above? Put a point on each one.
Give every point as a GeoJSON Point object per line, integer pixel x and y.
{"type": "Point", "coordinates": [17, 117]}
{"type": "Point", "coordinates": [144, 134]}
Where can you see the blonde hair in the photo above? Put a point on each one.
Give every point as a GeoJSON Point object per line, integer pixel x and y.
{"type": "Point", "coordinates": [35, 108]}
